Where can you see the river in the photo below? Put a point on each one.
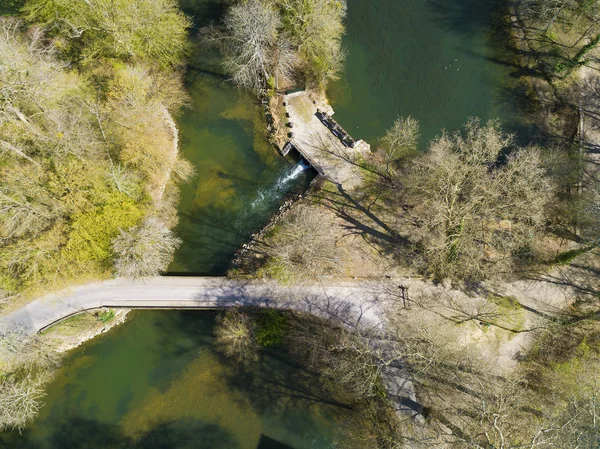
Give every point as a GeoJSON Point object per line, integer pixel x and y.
{"type": "Point", "coordinates": [157, 382]}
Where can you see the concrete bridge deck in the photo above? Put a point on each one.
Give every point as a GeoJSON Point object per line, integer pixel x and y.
{"type": "Point", "coordinates": [351, 303]}
{"type": "Point", "coordinates": [324, 151]}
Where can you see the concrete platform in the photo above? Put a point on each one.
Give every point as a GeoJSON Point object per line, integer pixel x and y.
{"type": "Point", "coordinates": [324, 151]}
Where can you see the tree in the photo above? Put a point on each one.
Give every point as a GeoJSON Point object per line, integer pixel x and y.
{"type": "Point", "coordinates": [234, 337]}
{"type": "Point", "coordinates": [344, 356]}
{"type": "Point", "coordinates": [248, 38]}
{"type": "Point", "coordinates": [144, 250]}
{"type": "Point", "coordinates": [300, 247]}
{"type": "Point", "coordinates": [26, 365]}
{"type": "Point", "coordinates": [559, 21]}
{"type": "Point", "coordinates": [154, 30]}
{"type": "Point", "coordinates": [266, 42]}
{"type": "Point", "coordinates": [399, 142]}
{"type": "Point", "coordinates": [83, 151]}
{"type": "Point", "coordinates": [316, 28]}
{"type": "Point", "coordinates": [480, 201]}
{"type": "Point", "coordinates": [134, 119]}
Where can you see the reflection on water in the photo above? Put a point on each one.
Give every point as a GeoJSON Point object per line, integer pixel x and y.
{"type": "Point", "coordinates": [432, 59]}
{"type": "Point", "coordinates": [240, 179]}
{"type": "Point", "coordinates": [157, 383]}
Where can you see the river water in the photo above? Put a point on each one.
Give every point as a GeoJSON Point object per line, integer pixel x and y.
{"type": "Point", "coordinates": [440, 61]}
{"type": "Point", "coordinates": [157, 382]}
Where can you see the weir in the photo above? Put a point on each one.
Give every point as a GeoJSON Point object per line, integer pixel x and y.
{"type": "Point", "coordinates": [281, 186]}
{"type": "Point", "coordinates": [330, 150]}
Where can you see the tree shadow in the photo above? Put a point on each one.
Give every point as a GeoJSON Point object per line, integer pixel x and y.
{"type": "Point", "coordinates": [466, 16]}
{"type": "Point", "coordinates": [78, 433]}
{"type": "Point", "coordinates": [365, 214]}
{"type": "Point", "coordinates": [203, 12]}
{"type": "Point", "coordinates": [269, 443]}
{"type": "Point", "coordinates": [11, 7]}
{"type": "Point", "coordinates": [276, 382]}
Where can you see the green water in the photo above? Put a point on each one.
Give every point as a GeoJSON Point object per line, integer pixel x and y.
{"type": "Point", "coordinates": [239, 178]}
{"type": "Point", "coordinates": [157, 383]}
{"type": "Point", "coordinates": [432, 59]}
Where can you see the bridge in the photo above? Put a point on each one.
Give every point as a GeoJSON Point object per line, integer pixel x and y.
{"type": "Point", "coordinates": [354, 304]}
{"type": "Point", "coordinates": [361, 304]}
{"type": "Point", "coordinates": [349, 302]}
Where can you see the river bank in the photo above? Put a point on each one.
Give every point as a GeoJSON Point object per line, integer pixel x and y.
{"type": "Point", "coordinates": [76, 330]}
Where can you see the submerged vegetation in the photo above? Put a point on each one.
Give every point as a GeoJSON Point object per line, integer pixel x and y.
{"type": "Point", "coordinates": [89, 168]}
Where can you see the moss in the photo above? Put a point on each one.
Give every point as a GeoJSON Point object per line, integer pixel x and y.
{"type": "Point", "coordinates": [567, 257]}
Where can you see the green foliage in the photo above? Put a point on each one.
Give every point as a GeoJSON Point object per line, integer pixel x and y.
{"type": "Point", "coordinates": [10, 7]}
{"type": "Point", "coordinates": [81, 160]}
{"type": "Point", "coordinates": [93, 231]}
{"type": "Point", "coordinates": [276, 43]}
{"type": "Point", "coordinates": [105, 316]}
{"type": "Point", "coordinates": [316, 28]}
{"type": "Point", "coordinates": [271, 328]}
{"type": "Point", "coordinates": [154, 30]}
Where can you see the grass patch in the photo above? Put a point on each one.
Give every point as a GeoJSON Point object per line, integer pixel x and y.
{"type": "Point", "coordinates": [80, 323]}
{"type": "Point", "coordinates": [508, 303]}
{"type": "Point", "coordinates": [276, 269]}
{"type": "Point", "coordinates": [105, 316]}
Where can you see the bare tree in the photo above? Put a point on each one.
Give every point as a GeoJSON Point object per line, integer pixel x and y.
{"type": "Point", "coordinates": [301, 247]}
{"type": "Point", "coordinates": [479, 210]}
{"type": "Point", "coordinates": [399, 142]}
{"type": "Point", "coordinates": [20, 401]}
{"type": "Point", "coordinates": [144, 250]}
{"type": "Point", "coordinates": [248, 38]}
{"type": "Point", "coordinates": [234, 337]}
{"type": "Point", "coordinates": [344, 356]}
{"type": "Point", "coordinates": [27, 364]}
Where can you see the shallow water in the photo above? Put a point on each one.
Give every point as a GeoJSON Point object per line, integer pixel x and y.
{"type": "Point", "coordinates": [157, 383]}
{"type": "Point", "coordinates": [240, 181]}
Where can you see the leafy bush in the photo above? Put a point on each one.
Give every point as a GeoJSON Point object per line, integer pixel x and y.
{"type": "Point", "coordinates": [271, 328]}
{"type": "Point", "coordinates": [92, 232]}
{"type": "Point", "coordinates": [106, 315]}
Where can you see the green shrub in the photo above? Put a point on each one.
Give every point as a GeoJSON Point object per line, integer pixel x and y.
{"type": "Point", "coordinates": [106, 315]}
{"type": "Point", "coordinates": [271, 328]}
{"type": "Point", "coordinates": [92, 231]}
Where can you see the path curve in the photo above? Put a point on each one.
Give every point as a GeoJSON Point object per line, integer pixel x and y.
{"type": "Point", "coordinates": [349, 302]}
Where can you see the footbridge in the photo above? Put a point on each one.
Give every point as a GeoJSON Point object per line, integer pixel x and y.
{"type": "Point", "coordinates": [354, 303]}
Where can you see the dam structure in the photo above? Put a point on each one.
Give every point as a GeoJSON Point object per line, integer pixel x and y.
{"type": "Point", "coordinates": [321, 141]}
